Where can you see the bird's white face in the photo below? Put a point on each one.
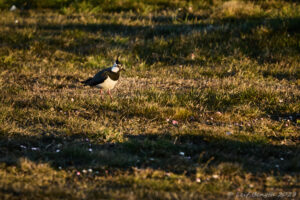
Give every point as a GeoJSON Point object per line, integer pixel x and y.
{"type": "Point", "coordinates": [115, 68]}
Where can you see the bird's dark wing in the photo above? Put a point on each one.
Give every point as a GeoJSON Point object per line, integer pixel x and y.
{"type": "Point", "coordinates": [87, 81]}
{"type": "Point", "coordinates": [97, 79]}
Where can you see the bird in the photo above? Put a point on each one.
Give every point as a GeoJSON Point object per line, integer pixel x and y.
{"type": "Point", "coordinates": [106, 79]}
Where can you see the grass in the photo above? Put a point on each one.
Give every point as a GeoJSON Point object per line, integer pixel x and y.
{"type": "Point", "coordinates": [226, 71]}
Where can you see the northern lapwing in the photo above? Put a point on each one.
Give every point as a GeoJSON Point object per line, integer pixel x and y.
{"type": "Point", "coordinates": [107, 78]}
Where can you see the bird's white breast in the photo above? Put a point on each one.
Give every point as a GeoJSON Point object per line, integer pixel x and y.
{"type": "Point", "coordinates": [108, 84]}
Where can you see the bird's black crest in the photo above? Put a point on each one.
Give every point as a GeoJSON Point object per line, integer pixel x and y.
{"type": "Point", "coordinates": [117, 61]}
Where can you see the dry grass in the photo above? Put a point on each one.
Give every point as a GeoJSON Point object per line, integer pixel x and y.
{"type": "Point", "coordinates": [235, 8]}
{"type": "Point", "coordinates": [226, 72]}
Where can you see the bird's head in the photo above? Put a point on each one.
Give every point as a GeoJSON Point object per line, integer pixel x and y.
{"type": "Point", "coordinates": [118, 66]}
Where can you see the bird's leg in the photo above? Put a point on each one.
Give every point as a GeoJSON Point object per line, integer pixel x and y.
{"type": "Point", "coordinates": [101, 94]}
{"type": "Point", "coordinates": [108, 92]}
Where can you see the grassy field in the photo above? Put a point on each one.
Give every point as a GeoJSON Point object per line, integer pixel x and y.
{"type": "Point", "coordinates": [209, 106]}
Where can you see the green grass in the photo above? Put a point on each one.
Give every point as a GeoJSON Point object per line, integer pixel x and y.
{"type": "Point", "coordinates": [226, 71]}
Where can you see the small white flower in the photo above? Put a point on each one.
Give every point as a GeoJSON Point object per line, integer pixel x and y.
{"type": "Point", "coordinates": [57, 150]}
{"type": "Point", "coordinates": [281, 158]}
{"type": "Point", "coordinates": [181, 153]}
{"type": "Point", "coordinates": [13, 8]}
{"type": "Point", "coordinates": [151, 159]}
{"type": "Point", "coordinates": [215, 176]}
{"type": "Point", "coordinates": [34, 148]}
{"type": "Point", "coordinates": [198, 180]}
{"type": "Point", "coordinates": [90, 170]}
{"type": "Point", "coordinates": [90, 149]}
{"type": "Point", "coordinates": [84, 171]}
{"type": "Point", "coordinates": [59, 167]}
{"type": "Point", "coordinates": [23, 147]}
{"type": "Point", "coordinates": [277, 166]}
{"type": "Point", "coordinates": [228, 133]}
{"type": "Point", "coordinates": [72, 99]}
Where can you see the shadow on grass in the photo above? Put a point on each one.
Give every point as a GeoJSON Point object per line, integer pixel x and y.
{"type": "Point", "coordinates": [162, 152]}
{"type": "Point", "coordinates": [178, 41]}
